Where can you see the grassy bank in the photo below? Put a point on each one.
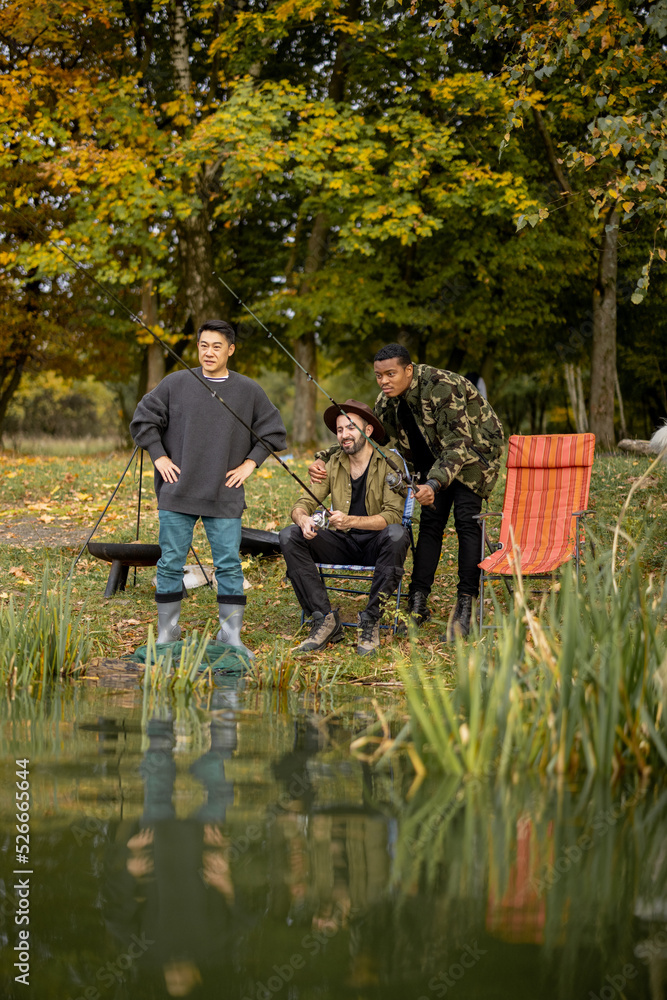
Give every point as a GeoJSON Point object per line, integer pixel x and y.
{"type": "Point", "coordinates": [48, 505]}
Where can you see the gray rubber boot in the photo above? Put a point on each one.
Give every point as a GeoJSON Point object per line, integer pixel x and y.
{"type": "Point", "coordinates": [168, 629]}
{"type": "Point", "coordinates": [231, 620]}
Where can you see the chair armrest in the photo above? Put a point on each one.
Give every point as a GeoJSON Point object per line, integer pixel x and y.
{"type": "Point", "coordinates": [491, 513]}
{"type": "Point", "coordinates": [583, 513]}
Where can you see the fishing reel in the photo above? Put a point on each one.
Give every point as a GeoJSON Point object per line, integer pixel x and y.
{"type": "Point", "coordinates": [320, 518]}
{"type": "Point", "coordinates": [397, 483]}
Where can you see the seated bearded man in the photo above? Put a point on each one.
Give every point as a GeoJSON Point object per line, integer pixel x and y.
{"type": "Point", "coordinates": [364, 528]}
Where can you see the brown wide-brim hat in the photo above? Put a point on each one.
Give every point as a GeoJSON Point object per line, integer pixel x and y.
{"type": "Point", "coordinates": [350, 406]}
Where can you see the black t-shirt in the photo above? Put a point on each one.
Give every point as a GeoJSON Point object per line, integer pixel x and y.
{"type": "Point", "coordinates": [358, 501]}
{"type": "Point", "coordinates": [421, 456]}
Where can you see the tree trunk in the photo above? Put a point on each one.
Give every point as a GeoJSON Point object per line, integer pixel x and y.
{"type": "Point", "coordinates": [621, 409]}
{"type": "Point", "coordinates": [10, 377]}
{"type": "Point", "coordinates": [155, 362]}
{"type": "Point", "coordinates": [603, 356]}
{"type": "Point", "coordinates": [180, 54]}
{"type": "Point", "coordinates": [202, 292]}
{"type": "Point", "coordinates": [21, 348]}
{"type": "Point", "coordinates": [203, 300]}
{"type": "Point", "coordinates": [575, 391]}
{"type": "Point", "coordinates": [305, 430]}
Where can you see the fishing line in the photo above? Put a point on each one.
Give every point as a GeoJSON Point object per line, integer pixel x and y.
{"type": "Point", "coordinates": [136, 319]}
{"type": "Point", "coordinates": [402, 474]}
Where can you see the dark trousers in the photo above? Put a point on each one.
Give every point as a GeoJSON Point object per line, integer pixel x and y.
{"type": "Point", "coordinates": [386, 550]}
{"type": "Point", "coordinates": [432, 524]}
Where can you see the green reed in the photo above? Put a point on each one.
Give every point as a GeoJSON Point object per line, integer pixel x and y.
{"type": "Point", "coordinates": [576, 686]}
{"type": "Point", "coordinates": [43, 639]}
{"type": "Point", "coordinates": [180, 675]}
{"type": "Point", "coordinates": [277, 670]}
{"type": "Point", "coordinates": [281, 670]}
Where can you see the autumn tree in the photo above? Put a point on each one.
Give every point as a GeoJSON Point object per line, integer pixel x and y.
{"type": "Point", "coordinates": [311, 153]}
{"type": "Point", "coordinates": [589, 79]}
{"type": "Point", "coordinates": [335, 163]}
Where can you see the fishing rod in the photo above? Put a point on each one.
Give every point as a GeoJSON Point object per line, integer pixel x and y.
{"type": "Point", "coordinates": [136, 319]}
{"type": "Point", "coordinates": [400, 475]}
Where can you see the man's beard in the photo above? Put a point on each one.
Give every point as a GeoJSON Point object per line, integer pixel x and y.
{"type": "Point", "coordinates": [356, 446]}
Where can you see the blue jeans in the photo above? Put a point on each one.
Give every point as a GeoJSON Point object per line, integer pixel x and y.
{"type": "Point", "coordinates": [224, 536]}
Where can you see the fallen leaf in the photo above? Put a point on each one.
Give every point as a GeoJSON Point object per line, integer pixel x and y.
{"type": "Point", "coordinates": [20, 574]}
{"type": "Point", "coordinates": [650, 481]}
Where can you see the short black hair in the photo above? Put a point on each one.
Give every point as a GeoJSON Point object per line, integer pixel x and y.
{"type": "Point", "coordinates": [390, 351]}
{"type": "Point", "coordinates": [218, 326]}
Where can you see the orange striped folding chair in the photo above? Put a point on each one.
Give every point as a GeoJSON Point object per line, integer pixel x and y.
{"type": "Point", "coordinates": [546, 494]}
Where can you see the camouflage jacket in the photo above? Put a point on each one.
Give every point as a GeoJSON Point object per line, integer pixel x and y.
{"type": "Point", "coordinates": [459, 426]}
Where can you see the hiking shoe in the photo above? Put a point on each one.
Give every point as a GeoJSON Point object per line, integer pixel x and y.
{"type": "Point", "coordinates": [458, 625]}
{"type": "Point", "coordinates": [369, 635]}
{"type": "Point", "coordinates": [323, 630]}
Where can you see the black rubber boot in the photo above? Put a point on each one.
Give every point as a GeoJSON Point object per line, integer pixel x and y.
{"type": "Point", "coordinates": [459, 622]}
{"type": "Point", "coordinates": [418, 608]}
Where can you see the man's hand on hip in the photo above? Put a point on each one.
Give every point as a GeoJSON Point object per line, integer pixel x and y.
{"type": "Point", "coordinates": [317, 471]}
{"type": "Point", "coordinates": [236, 477]}
{"type": "Point", "coordinates": [167, 469]}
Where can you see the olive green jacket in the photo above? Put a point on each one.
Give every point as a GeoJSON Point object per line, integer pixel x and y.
{"type": "Point", "coordinates": [379, 498]}
{"type": "Point", "coordinates": [458, 424]}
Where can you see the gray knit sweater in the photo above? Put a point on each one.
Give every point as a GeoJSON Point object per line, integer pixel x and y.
{"type": "Point", "coordinates": [180, 419]}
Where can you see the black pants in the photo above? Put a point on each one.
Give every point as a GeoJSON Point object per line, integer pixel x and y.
{"type": "Point", "coordinates": [386, 550]}
{"type": "Point", "coordinates": [431, 529]}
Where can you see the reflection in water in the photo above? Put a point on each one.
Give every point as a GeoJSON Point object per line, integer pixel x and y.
{"type": "Point", "coordinates": [175, 886]}
{"type": "Point", "coordinates": [331, 857]}
{"type": "Point", "coordinates": [242, 853]}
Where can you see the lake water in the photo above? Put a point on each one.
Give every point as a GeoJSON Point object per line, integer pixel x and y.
{"type": "Point", "coordinates": [239, 850]}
